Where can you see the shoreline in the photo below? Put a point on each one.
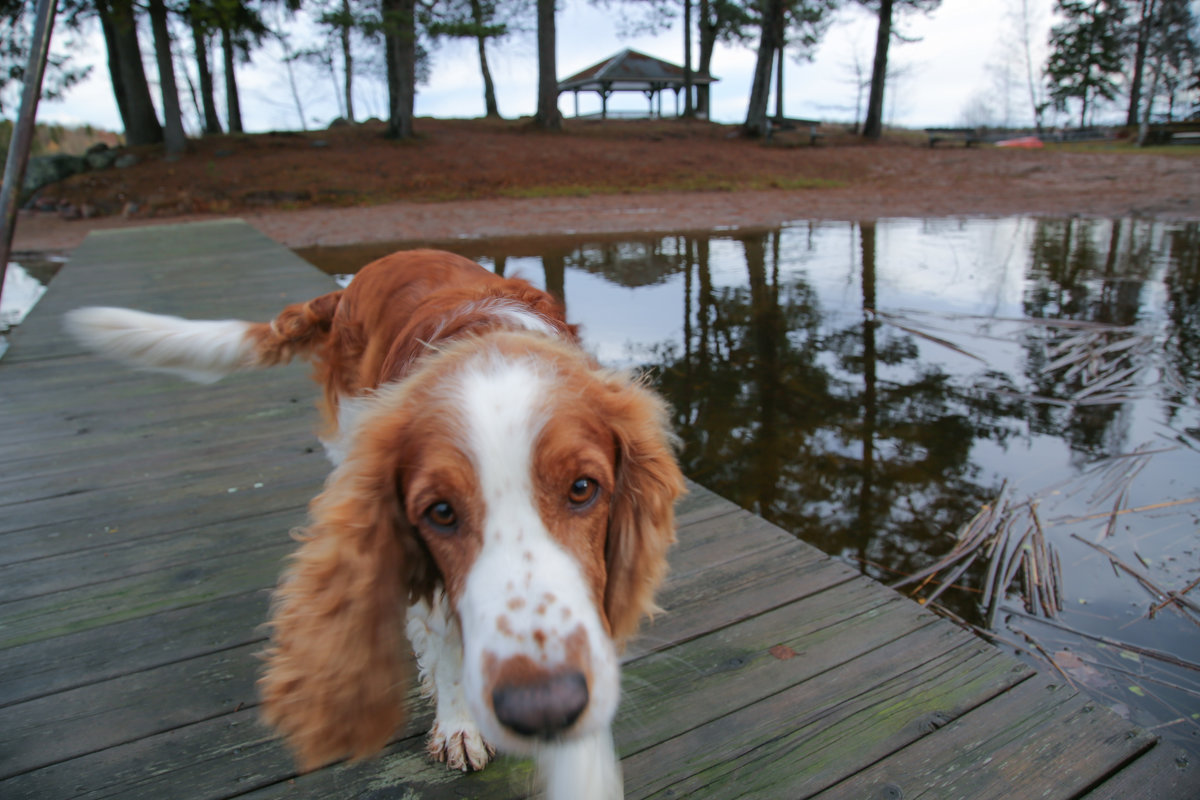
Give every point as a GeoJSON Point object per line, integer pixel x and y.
{"type": "Point", "coordinates": [629, 213]}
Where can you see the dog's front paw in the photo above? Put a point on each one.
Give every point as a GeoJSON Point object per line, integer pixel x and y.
{"type": "Point", "coordinates": [461, 747]}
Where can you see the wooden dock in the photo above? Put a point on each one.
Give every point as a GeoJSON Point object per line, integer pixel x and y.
{"type": "Point", "coordinates": [143, 521]}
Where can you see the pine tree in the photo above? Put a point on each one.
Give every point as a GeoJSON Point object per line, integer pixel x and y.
{"type": "Point", "coordinates": [1086, 54]}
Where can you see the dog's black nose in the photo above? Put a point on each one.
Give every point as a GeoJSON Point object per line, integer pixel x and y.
{"type": "Point", "coordinates": [544, 708]}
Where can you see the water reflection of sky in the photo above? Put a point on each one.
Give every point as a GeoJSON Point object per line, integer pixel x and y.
{"type": "Point", "coordinates": [876, 436]}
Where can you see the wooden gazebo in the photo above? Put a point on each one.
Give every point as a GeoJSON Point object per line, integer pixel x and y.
{"type": "Point", "coordinates": [631, 71]}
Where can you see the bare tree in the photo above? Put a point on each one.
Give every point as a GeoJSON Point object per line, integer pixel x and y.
{"type": "Point", "coordinates": [1025, 20]}
{"type": "Point", "coordinates": [548, 116]}
{"type": "Point", "coordinates": [886, 9]}
{"type": "Point", "coordinates": [173, 135]}
{"type": "Point", "coordinates": [119, 25]}
{"type": "Point", "coordinates": [798, 23]}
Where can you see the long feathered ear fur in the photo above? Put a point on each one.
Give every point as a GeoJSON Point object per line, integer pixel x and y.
{"type": "Point", "coordinates": [642, 516]}
{"type": "Point", "coordinates": [334, 682]}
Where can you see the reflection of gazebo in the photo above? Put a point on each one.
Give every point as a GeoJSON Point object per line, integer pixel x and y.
{"type": "Point", "coordinates": [631, 71]}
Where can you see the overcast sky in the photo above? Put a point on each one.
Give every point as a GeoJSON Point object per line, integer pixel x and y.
{"type": "Point", "coordinates": [946, 77]}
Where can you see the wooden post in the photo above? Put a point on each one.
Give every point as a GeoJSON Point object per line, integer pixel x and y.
{"type": "Point", "coordinates": [687, 61]}
{"type": "Point", "coordinates": [22, 138]}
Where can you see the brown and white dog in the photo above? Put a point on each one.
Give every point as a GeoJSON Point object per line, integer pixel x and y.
{"type": "Point", "coordinates": [491, 479]}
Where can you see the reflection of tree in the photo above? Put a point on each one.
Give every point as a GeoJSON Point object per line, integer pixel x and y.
{"type": "Point", "coordinates": [1182, 281]}
{"type": "Point", "coordinates": [1078, 274]}
{"type": "Point", "coordinates": [839, 436]}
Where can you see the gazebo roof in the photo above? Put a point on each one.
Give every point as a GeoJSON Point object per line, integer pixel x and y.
{"type": "Point", "coordinates": [630, 70]}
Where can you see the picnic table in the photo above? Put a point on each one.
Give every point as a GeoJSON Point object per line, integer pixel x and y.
{"type": "Point", "coordinates": [969, 136]}
{"type": "Point", "coordinates": [793, 124]}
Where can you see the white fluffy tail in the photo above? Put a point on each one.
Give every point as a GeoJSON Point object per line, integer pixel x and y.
{"type": "Point", "coordinates": [201, 351]}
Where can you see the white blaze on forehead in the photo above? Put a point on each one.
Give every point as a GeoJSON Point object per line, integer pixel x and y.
{"type": "Point", "coordinates": [524, 594]}
{"type": "Point", "coordinates": [503, 414]}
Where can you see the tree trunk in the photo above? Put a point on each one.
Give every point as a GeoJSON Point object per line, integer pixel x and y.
{"type": "Point", "coordinates": [138, 115]}
{"type": "Point", "coordinates": [212, 123]}
{"type": "Point", "coordinates": [779, 56]}
{"type": "Point", "coordinates": [400, 33]}
{"type": "Point", "coordinates": [1139, 61]}
{"type": "Point", "coordinates": [1144, 123]}
{"type": "Point", "coordinates": [1031, 77]}
{"type": "Point", "coordinates": [288, 58]}
{"type": "Point", "coordinates": [108, 29]}
{"type": "Point", "coordinates": [233, 108]}
{"type": "Point", "coordinates": [548, 116]}
{"type": "Point", "coordinates": [708, 41]}
{"type": "Point", "coordinates": [174, 137]}
{"type": "Point", "coordinates": [348, 60]}
{"type": "Point", "coordinates": [760, 89]}
{"type": "Point", "coordinates": [489, 88]}
{"type": "Point", "coordinates": [873, 125]}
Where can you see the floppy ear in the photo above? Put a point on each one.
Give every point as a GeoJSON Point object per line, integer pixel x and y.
{"type": "Point", "coordinates": [642, 515]}
{"type": "Point", "coordinates": [334, 680]}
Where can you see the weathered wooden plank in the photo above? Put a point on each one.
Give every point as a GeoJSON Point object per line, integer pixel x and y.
{"type": "Point", "coordinates": [98, 654]}
{"type": "Point", "coordinates": [86, 438]}
{"type": "Point", "coordinates": [699, 601]}
{"type": "Point", "coordinates": [158, 468]}
{"type": "Point", "coordinates": [129, 560]}
{"type": "Point", "coordinates": [1165, 771]}
{"type": "Point", "coordinates": [218, 758]}
{"type": "Point", "coordinates": [823, 730]}
{"type": "Point", "coordinates": [1042, 734]}
{"type": "Point", "coordinates": [96, 717]}
{"type": "Point", "coordinates": [34, 619]}
{"type": "Point", "coordinates": [718, 538]}
{"type": "Point", "coordinates": [135, 510]}
{"type": "Point", "coordinates": [736, 666]}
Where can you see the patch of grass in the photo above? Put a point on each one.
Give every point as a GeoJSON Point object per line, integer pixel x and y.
{"type": "Point", "coordinates": [1176, 150]}
{"type": "Point", "coordinates": [701, 183]}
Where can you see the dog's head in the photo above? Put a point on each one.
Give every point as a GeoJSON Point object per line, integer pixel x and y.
{"type": "Point", "coordinates": [536, 490]}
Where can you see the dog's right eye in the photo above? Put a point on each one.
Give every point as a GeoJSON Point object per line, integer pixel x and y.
{"type": "Point", "coordinates": [441, 516]}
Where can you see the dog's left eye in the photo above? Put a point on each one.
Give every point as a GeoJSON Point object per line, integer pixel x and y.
{"type": "Point", "coordinates": [582, 492]}
{"type": "Point", "coordinates": [442, 517]}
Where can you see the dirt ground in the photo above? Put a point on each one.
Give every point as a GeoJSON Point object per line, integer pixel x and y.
{"type": "Point", "coordinates": [480, 178]}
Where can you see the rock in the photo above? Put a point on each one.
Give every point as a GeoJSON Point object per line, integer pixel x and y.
{"type": "Point", "coordinates": [45, 170]}
{"type": "Point", "coordinates": [126, 160]}
{"type": "Point", "coordinates": [100, 159]}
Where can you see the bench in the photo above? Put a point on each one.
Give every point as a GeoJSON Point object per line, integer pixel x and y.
{"type": "Point", "coordinates": [969, 136]}
{"type": "Point", "coordinates": [792, 124]}
{"type": "Point", "coordinates": [1174, 133]}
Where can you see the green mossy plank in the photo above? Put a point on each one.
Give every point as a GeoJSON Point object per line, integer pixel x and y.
{"type": "Point", "coordinates": [823, 730]}
{"type": "Point", "coordinates": [87, 657]}
{"type": "Point", "coordinates": [197, 581]}
{"type": "Point", "coordinates": [1041, 739]}
{"type": "Point", "coordinates": [1164, 771]}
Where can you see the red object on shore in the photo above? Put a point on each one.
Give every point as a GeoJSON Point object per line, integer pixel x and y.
{"type": "Point", "coordinates": [1027, 142]}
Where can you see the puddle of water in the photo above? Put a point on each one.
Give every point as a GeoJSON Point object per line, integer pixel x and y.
{"type": "Point", "coordinates": [874, 387]}
{"type": "Point", "coordinates": [24, 285]}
